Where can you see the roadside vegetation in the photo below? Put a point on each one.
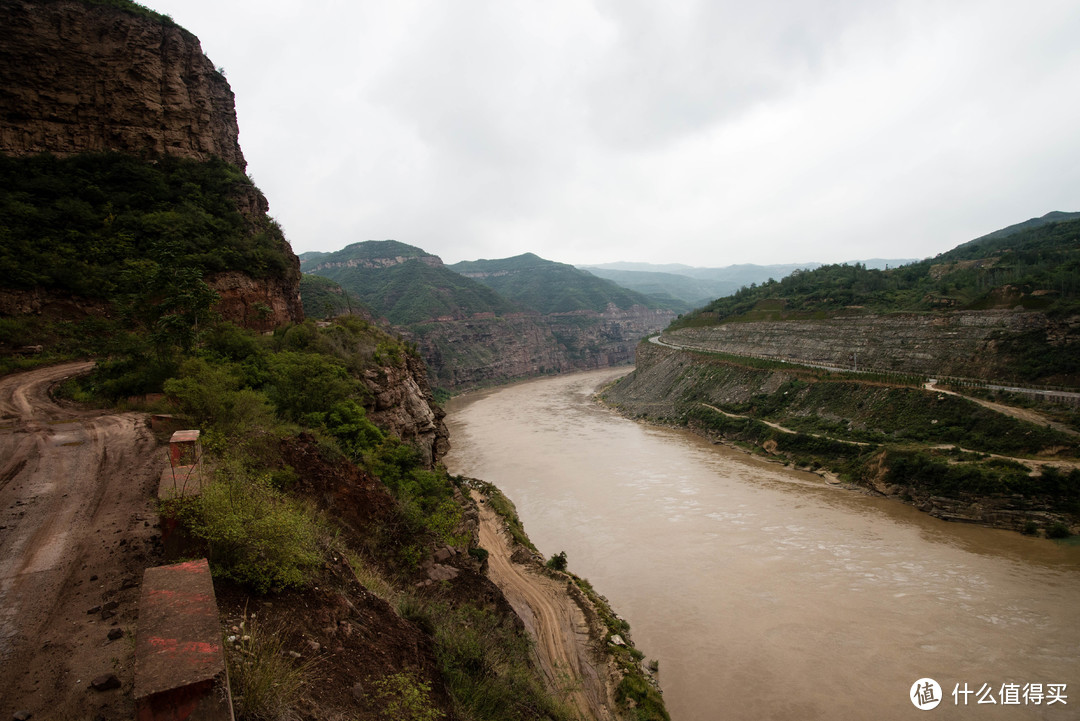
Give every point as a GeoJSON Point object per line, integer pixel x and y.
{"type": "Point", "coordinates": [255, 397]}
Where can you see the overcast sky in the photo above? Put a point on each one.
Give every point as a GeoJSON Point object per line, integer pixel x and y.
{"type": "Point", "coordinates": [705, 133]}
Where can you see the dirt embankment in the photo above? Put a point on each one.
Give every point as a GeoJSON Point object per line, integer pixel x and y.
{"type": "Point", "coordinates": [76, 532]}
{"type": "Point", "coordinates": [564, 641]}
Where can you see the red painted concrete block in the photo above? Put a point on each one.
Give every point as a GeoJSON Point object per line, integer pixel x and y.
{"type": "Point", "coordinates": [179, 662]}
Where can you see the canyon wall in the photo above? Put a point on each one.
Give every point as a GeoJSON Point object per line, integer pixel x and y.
{"type": "Point", "coordinates": [77, 78]}
{"type": "Point", "coordinates": [463, 354]}
{"type": "Point", "coordinates": [959, 343]}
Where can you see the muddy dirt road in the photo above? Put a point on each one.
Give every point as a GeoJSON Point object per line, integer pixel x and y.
{"type": "Point", "coordinates": [76, 531]}
{"type": "Point", "coordinates": [554, 621]}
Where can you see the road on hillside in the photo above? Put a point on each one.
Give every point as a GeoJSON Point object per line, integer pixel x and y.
{"type": "Point", "coordinates": [551, 617]}
{"type": "Point", "coordinates": [77, 491]}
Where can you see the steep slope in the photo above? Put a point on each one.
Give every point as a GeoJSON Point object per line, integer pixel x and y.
{"type": "Point", "coordinates": [77, 77]}
{"type": "Point", "coordinates": [1003, 307]}
{"type": "Point", "coordinates": [122, 182]}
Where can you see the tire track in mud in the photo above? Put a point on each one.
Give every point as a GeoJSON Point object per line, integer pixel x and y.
{"type": "Point", "coordinates": [76, 514]}
{"type": "Point", "coordinates": [551, 617]}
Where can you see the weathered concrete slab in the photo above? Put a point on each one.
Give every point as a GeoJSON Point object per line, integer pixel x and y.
{"type": "Point", "coordinates": [181, 481]}
{"type": "Point", "coordinates": [179, 661]}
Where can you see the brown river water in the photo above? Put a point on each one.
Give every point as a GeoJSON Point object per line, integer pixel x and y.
{"type": "Point", "coordinates": [766, 593]}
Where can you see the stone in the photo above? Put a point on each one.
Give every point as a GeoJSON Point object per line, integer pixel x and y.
{"type": "Point", "coordinates": [110, 606]}
{"type": "Point", "coordinates": [440, 572]}
{"type": "Point", "coordinates": [92, 610]}
{"type": "Point", "coordinates": [105, 682]}
{"type": "Point", "coordinates": [22, 715]}
{"type": "Point", "coordinates": [116, 633]}
{"type": "Point", "coordinates": [443, 555]}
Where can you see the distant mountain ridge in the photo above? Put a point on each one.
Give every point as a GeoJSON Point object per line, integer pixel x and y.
{"type": "Point", "coordinates": [513, 318]}
{"type": "Point", "coordinates": [696, 286]}
{"type": "Point", "coordinates": [552, 287]}
{"type": "Point", "coordinates": [405, 284]}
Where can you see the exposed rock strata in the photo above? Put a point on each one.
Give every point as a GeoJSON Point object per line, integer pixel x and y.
{"type": "Point", "coordinates": [960, 343]}
{"type": "Point", "coordinates": [463, 354]}
{"type": "Point", "coordinates": [76, 78]}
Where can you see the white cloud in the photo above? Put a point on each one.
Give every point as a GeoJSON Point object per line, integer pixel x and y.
{"type": "Point", "coordinates": [699, 132]}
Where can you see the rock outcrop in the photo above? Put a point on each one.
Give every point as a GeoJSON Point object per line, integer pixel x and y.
{"type": "Point", "coordinates": [76, 77]}
{"type": "Point", "coordinates": [260, 304]}
{"type": "Point", "coordinates": [948, 343]}
{"type": "Point", "coordinates": [405, 405]}
{"type": "Point", "coordinates": [473, 352]}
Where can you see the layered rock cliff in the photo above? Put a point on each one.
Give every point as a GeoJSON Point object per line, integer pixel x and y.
{"type": "Point", "coordinates": [467, 353]}
{"type": "Point", "coordinates": [79, 78]}
{"type": "Point", "coordinates": [76, 77]}
{"type": "Point", "coordinates": [971, 344]}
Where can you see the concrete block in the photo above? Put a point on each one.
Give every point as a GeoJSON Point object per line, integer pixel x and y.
{"type": "Point", "coordinates": [180, 670]}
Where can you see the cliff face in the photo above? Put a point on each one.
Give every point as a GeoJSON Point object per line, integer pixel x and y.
{"type": "Point", "coordinates": [959, 343]}
{"type": "Point", "coordinates": [77, 78]}
{"type": "Point", "coordinates": [463, 354]}
{"type": "Point", "coordinates": [405, 405]}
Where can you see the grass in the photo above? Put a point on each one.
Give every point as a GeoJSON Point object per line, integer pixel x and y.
{"type": "Point", "coordinates": [506, 510]}
{"type": "Point", "coordinates": [267, 684]}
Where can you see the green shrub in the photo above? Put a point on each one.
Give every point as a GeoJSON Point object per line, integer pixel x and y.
{"type": "Point", "coordinates": [404, 697]}
{"type": "Point", "coordinates": [637, 693]}
{"type": "Point", "coordinates": [1030, 528]}
{"type": "Point", "coordinates": [557, 561]}
{"type": "Point", "coordinates": [256, 535]}
{"type": "Point", "coordinates": [1058, 530]}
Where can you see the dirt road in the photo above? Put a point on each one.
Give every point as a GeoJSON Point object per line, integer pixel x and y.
{"type": "Point", "coordinates": [1023, 414]}
{"type": "Point", "coordinates": [76, 531]}
{"type": "Point", "coordinates": [552, 618]}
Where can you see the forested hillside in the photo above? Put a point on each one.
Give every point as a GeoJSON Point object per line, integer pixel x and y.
{"type": "Point", "coordinates": [550, 287]}
{"type": "Point", "coordinates": [1035, 267]}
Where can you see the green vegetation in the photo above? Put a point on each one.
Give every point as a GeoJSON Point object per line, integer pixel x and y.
{"type": "Point", "coordinates": [132, 8]}
{"type": "Point", "coordinates": [550, 287]}
{"type": "Point", "coordinates": [636, 693]}
{"type": "Point", "coordinates": [1034, 267]}
{"type": "Point", "coordinates": [395, 282]}
{"type": "Point", "coordinates": [506, 510]}
{"type": "Point", "coordinates": [255, 534]}
{"type": "Point", "coordinates": [113, 227]}
{"type": "Point", "coordinates": [486, 663]}
{"type": "Point", "coordinates": [557, 562]}
{"type": "Point", "coordinates": [870, 433]}
{"type": "Point", "coordinates": [405, 697]}
{"type": "Point", "coordinates": [324, 299]}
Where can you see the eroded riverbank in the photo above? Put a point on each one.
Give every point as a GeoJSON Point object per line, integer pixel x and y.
{"type": "Point", "coordinates": [764, 592]}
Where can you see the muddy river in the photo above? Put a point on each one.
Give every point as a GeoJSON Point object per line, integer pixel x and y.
{"type": "Point", "coordinates": [766, 593]}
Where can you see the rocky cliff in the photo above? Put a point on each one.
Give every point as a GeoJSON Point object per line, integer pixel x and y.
{"type": "Point", "coordinates": [478, 351]}
{"type": "Point", "coordinates": [970, 344]}
{"type": "Point", "coordinates": [76, 77]}
{"type": "Point", "coordinates": [405, 405]}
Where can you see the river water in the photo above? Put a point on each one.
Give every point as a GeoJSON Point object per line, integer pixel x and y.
{"type": "Point", "coordinates": [766, 593]}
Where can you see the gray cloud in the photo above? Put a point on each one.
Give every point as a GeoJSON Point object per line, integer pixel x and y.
{"type": "Point", "coordinates": [696, 132]}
